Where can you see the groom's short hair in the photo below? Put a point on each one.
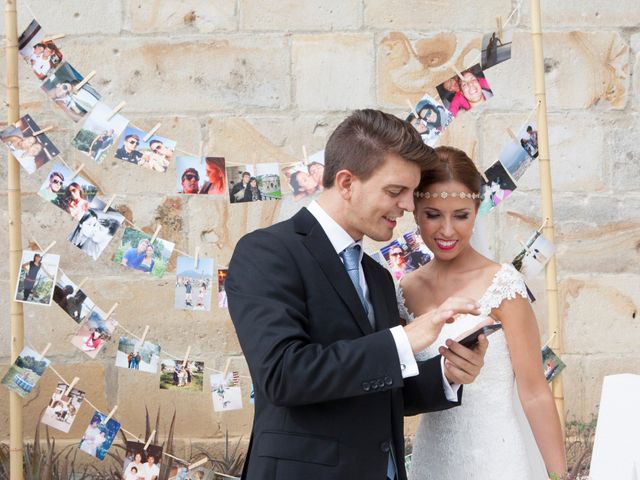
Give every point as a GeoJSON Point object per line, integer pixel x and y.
{"type": "Point", "coordinates": [362, 141]}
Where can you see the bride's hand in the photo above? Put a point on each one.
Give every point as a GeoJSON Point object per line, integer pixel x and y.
{"type": "Point", "coordinates": [424, 330]}
{"type": "Point", "coordinates": [462, 365]}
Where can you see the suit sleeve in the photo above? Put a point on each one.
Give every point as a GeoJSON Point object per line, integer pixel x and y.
{"type": "Point", "coordinates": [266, 295]}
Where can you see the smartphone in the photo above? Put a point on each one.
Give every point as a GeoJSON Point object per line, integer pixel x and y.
{"type": "Point", "coordinates": [470, 340]}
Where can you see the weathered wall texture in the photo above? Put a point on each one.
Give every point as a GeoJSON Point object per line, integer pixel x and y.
{"type": "Point", "coordinates": [265, 77]}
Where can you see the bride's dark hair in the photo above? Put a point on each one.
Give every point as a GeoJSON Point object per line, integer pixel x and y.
{"type": "Point", "coordinates": [451, 165]}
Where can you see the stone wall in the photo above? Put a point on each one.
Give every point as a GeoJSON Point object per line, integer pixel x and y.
{"type": "Point", "coordinates": [258, 79]}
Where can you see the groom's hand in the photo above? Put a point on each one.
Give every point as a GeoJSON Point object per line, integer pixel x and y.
{"type": "Point", "coordinates": [461, 364]}
{"type": "Point", "coordinates": [424, 330]}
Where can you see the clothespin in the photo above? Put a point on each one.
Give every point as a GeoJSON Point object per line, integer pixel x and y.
{"type": "Point", "coordinates": [146, 445]}
{"type": "Point", "coordinates": [155, 234]}
{"type": "Point", "coordinates": [84, 81]}
{"type": "Point", "coordinates": [202, 461]}
{"type": "Point", "coordinates": [499, 27]}
{"type": "Point", "coordinates": [44, 130]}
{"type": "Point", "coordinates": [186, 356]}
{"type": "Point", "coordinates": [195, 258]}
{"type": "Point", "coordinates": [53, 37]}
{"type": "Point", "coordinates": [44, 252]}
{"type": "Point", "coordinates": [226, 369]}
{"type": "Point", "coordinates": [484, 176]}
{"type": "Point", "coordinates": [144, 335]}
{"type": "Point", "coordinates": [412, 108]}
{"type": "Point", "coordinates": [119, 107]}
{"type": "Point", "coordinates": [524, 245]}
{"type": "Point", "coordinates": [151, 132]}
{"type": "Point", "coordinates": [201, 151]}
{"type": "Point", "coordinates": [77, 172]}
{"type": "Point", "coordinates": [108, 204]}
{"type": "Point", "coordinates": [512, 135]}
{"type": "Point", "coordinates": [71, 385]}
{"type": "Point", "coordinates": [544, 224]}
{"type": "Point", "coordinates": [108, 417]}
{"type": "Point", "coordinates": [255, 167]}
{"type": "Point", "coordinates": [44, 351]}
{"type": "Point", "coordinates": [111, 310]}
{"type": "Point", "coordinates": [84, 280]}
{"type": "Point", "coordinates": [304, 155]}
{"type": "Point", "coordinates": [553, 335]}
{"type": "Point", "coordinates": [456, 71]}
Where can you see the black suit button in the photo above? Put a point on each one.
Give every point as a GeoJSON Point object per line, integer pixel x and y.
{"type": "Point", "coordinates": [385, 447]}
{"type": "Point", "coordinates": [366, 386]}
{"type": "Point", "coordinates": [388, 381]}
{"type": "Point", "coordinates": [380, 383]}
{"type": "Point", "coordinates": [374, 385]}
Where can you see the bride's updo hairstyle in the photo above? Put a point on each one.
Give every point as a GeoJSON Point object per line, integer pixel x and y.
{"type": "Point", "coordinates": [451, 165]}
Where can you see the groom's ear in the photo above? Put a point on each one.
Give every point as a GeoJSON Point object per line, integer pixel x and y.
{"type": "Point", "coordinates": [344, 181]}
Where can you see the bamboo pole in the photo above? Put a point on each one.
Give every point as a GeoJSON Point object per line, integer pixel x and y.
{"type": "Point", "coordinates": [544, 163]}
{"type": "Point", "coordinates": [15, 237]}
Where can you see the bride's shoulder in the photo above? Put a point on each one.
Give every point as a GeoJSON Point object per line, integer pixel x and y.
{"type": "Point", "coordinates": [418, 280]}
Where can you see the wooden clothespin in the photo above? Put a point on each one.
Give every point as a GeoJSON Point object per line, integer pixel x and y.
{"type": "Point", "coordinates": [499, 27]}
{"type": "Point", "coordinates": [412, 108]}
{"type": "Point", "coordinates": [201, 151]}
{"type": "Point", "coordinates": [544, 224]}
{"type": "Point", "coordinates": [304, 155]}
{"type": "Point", "coordinates": [71, 385]}
{"type": "Point", "coordinates": [108, 204]}
{"type": "Point", "coordinates": [52, 38]}
{"type": "Point", "coordinates": [186, 356]}
{"type": "Point", "coordinates": [44, 130]}
{"type": "Point", "coordinates": [151, 132]}
{"type": "Point", "coordinates": [144, 335]}
{"type": "Point", "coordinates": [84, 81]}
{"type": "Point", "coordinates": [146, 445]}
{"type": "Point", "coordinates": [111, 310]}
{"type": "Point", "coordinates": [44, 351]}
{"type": "Point", "coordinates": [77, 172]}
{"type": "Point", "coordinates": [155, 234]}
{"type": "Point", "coordinates": [202, 461]}
{"type": "Point", "coordinates": [456, 71]}
{"type": "Point", "coordinates": [119, 107]}
{"type": "Point", "coordinates": [524, 245]}
{"type": "Point", "coordinates": [195, 258]}
{"type": "Point", "coordinates": [226, 369]}
{"type": "Point", "coordinates": [255, 166]}
{"type": "Point", "coordinates": [513, 136]}
{"type": "Point", "coordinates": [108, 417]}
{"type": "Point", "coordinates": [82, 282]}
{"type": "Point", "coordinates": [44, 252]}
{"type": "Point", "coordinates": [553, 335]}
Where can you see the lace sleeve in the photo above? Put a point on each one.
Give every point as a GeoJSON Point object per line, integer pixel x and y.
{"type": "Point", "coordinates": [402, 309]}
{"type": "Point", "coordinates": [508, 283]}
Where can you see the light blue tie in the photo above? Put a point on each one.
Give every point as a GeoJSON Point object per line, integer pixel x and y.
{"type": "Point", "coordinates": [351, 258]}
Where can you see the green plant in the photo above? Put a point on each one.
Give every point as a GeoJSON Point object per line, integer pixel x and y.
{"type": "Point", "coordinates": [231, 462]}
{"type": "Point", "coordinates": [579, 437]}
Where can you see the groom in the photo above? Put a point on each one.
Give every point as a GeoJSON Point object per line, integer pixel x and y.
{"type": "Point", "coordinates": [333, 370]}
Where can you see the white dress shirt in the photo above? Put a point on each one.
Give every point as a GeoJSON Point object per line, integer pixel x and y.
{"type": "Point", "coordinates": [340, 240]}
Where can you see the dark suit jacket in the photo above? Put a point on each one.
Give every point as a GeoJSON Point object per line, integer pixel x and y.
{"type": "Point", "coordinates": [329, 393]}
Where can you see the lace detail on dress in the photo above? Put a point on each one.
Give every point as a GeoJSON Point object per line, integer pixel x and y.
{"type": "Point", "coordinates": [506, 284]}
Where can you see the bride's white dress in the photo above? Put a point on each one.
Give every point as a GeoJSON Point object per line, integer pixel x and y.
{"type": "Point", "coordinates": [487, 437]}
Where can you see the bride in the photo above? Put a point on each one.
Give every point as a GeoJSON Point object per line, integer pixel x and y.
{"type": "Point", "coordinates": [482, 439]}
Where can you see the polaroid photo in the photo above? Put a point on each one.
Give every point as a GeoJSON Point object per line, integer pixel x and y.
{"type": "Point", "coordinates": [99, 131]}
{"type": "Point", "coordinates": [42, 57]}
{"type": "Point", "coordinates": [98, 437]}
{"type": "Point", "coordinates": [395, 254]}
{"type": "Point", "coordinates": [247, 185]}
{"type": "Point", "coordinates": [302, 183]}
{"type": "Point", "coordinates": [405, 254]}
{"type": "Point", "coordinates": [71, 299]}
{"type": "Point", "coordinates": [59, 87]}
{"type": "Point", "coordinates": [154, 153]}
{"type": "Point", "coordinates": [136, 252]}
{"type": "Point", "coordinates": [134, 356]}
{"type": "Point", "coordinates": [551, 363]}
{"type": "Point", "coordinates": [31, 151]}
{"type": "Point", "coordinates": [63, 408]}
{"type": "Point", "coordinates": [26, 371]}
{"type": "Point", "coordinates": [466, 91]}
{"type": "Point", "coordinates": [496, 49]}
{"type": "Point", "coordinates": [222, 293]}
{"type": "Point", "coordinates": [194, 284]}
{"type": "Point", "coordinates": [140, 463]}
{"type": "Point", "coordinates": [68, 192]}
{"type": "Point", "coordinates": [94, 332]}
{"type": "Point", "coordinates": [500, 186]}
{"type": "Point", "coordinates": [205, 176]}
{"type": "Point", "coordinates": [37, 277]}
{"type": "Point", "coordinates": [531, 260]}
{"type": "Point", "coordinates": [175, 375]}
{"type": "Point", "coordinates": [520, 153]}
{"type": "Point", "coordinates": [226, 393]}
{"type": "Point", "coordinates": [96, 228]}
{"type": "Point", "coordinates": [430, 118]}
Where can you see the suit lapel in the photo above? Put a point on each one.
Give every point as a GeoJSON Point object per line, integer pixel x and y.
{"type": "Point", "coordinates": [319, 246]}
{"type": "Point", "coordinates": [375, 281]}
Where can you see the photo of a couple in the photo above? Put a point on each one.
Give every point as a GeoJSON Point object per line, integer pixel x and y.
{"type": "Point", "coordinates": [141, 463]}
{"type": "Point", "coordinates": [32, 151]}
{"type": "Point", "coordinates": [41, 56]}
{"type": "Point", "coordinates": [306, 178]}
{"type": "Point", "coordinates": [194, 284]}
{"type": "Point", "coordinates": [69, 192]}
{"type": "Point", "coordinates": [154, 153]}
{"type": "Point", "coordinates": [71, 299]}
{"type": "Point", "coordinates": [137, 252]}
{"type": "Point", "coordinates": [60, 87]}
{"type": "Point", "coordinates": [185, 377]}
{"type": "Point", "coordinates": [134, 356]}
{"type": "Point", "coordinates": [96, 228]}
{"type": "Point", "coordinates": [203, 176]}
{"type": "Point", "coordinates": [254, 183]}
{"type": "Point", "coordinates": [99, 131]}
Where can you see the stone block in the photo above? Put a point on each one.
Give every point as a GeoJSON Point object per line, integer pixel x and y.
{"type": "Point", "coordinates": [623, 159]}
{"type": "Point", "coordinates": [300, 15]}
{"type": "Point", "coordinates": [176, 16]}
{"type": "Point", "coordinates": [333, 72]}
{"type": "Point", "coordinates": [577, 14]}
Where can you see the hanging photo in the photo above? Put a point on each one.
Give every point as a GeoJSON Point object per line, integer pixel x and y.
{"type": "Point", "coordinates": [551, 363]}
{"type": "Point", "coordinates": [71, 299]}
{"type": "Point", "coordinates": [405, 254]}
{"type": "Point", "coordinates": [141, 463]}
{"type": "Point", "coordinates": [42, 57]}
{"type": "Point", "coordinates": [222, 293]}
{"type": "Point", "coordinates": [59, 87]}
{"type": "Point", "coordinates": [96, 228]}
{"type": "Point", "coordinates": [37, 277]}
{"type": "Point", "coordinates": [63, 408]}
{"type": "Point", "coordinates": [134, 356]}
{"type": "Point", "coordinates": [205, 176]}
{"type": "Point", "coordinates": [253, 183]}
{"type": "Point", "coordinates": [466, 91]}
{"type": "Point", "coordinates": [519, 154]}
{"type": "Point", "coordinates": [252, 396]}
{"type": "Point", "coordinates": [180, 471]}
{"type": "Point", "coordinates": [531, 260]}
{"type": "Point", "coordinates": [25, 373]}
{"type": "Point", "coordinates": [99, 132]}
{"type": "Point", "coordinates": [305, 179]}
{"type": "Point", "coordinates": [174, 375]}
{"type": "Point", "coordinates": [496, 48]}
{"type": "Point", "coordinates": [32, 151]}
{"type": "Point", "coordinates": [137, 252]}
{"type": "Point", "coordinates": [130, 145]}
{"type": "Point", "coordinates": [94, 331]}
{"type": "Point", "coordinates": [226, 393]}
{"type": "Point", "coordinates": [430, 119]}
{"type": "Point", "coordinates": [499, 187]}
{"type": "Point", "coordinates": [155, 153]}
{"type": "Point", "coordinates": [98, 437]}
{"type": "Point", "coordinates": [68, 192]}
{"type": "Point", "coordinates": [193, 285]}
